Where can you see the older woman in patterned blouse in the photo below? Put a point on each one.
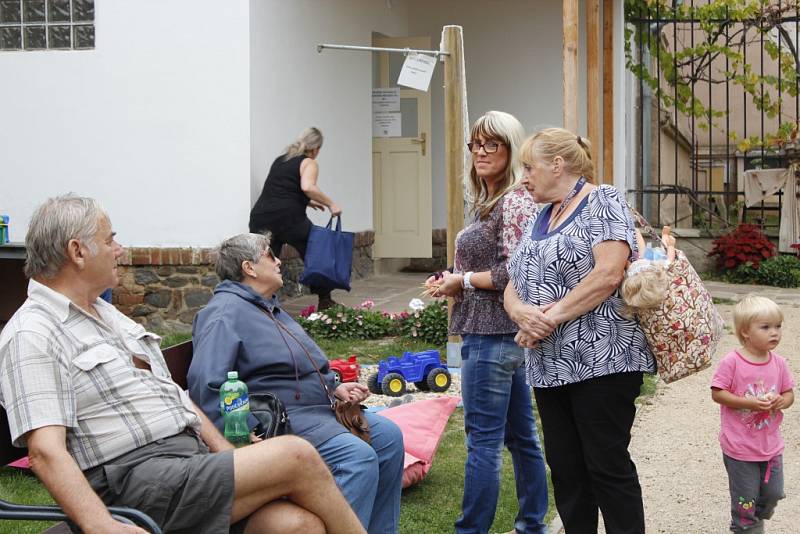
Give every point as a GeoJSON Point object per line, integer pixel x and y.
{"type": "Point", "coordinates": [497, 401]}
{"type": "Point", "coordinates": [584, 358]}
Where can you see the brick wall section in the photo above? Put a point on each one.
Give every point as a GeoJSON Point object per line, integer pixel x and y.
{"type": "Point", "coordinates": [163, 288]}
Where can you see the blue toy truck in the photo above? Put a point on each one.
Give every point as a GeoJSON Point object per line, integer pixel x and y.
{"type": "Point", "coordinates": [423, 368]}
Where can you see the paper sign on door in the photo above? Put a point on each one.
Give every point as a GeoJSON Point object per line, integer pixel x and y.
{"type": "Point", "coordinates": [417, 71]}
{"type": "Point", "coordinates": [386, 125]}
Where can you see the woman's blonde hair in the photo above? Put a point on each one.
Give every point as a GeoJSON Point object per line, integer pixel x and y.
{"type": "Point", "coordinates": [309, 139]}
{"type": "Point", "coordinates": [503, 127]}
{"type": "Point", "coordinates": [751, 308]}
{"type": "Point", "coordinates": [645, 289]}
{"type": "Point", "coordinates": [575, 150]}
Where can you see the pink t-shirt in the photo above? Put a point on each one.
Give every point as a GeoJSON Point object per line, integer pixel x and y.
{"type": "Point", "coordinates": [751, 436]}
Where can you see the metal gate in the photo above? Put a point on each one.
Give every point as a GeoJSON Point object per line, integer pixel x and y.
{"type": "Point", "coordinates": [707, 113]}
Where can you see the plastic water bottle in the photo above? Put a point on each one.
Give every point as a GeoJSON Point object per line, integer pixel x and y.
{"type": "Point", "coordinates": [234, 404]}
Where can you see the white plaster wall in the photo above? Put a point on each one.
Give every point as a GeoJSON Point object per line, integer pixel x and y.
{"type": "Point", "coordinates": [292, 87]}
{"type": "Point", "coordinates": [512, 51]}
{"type": "Point", "coordinates": [154, 122]}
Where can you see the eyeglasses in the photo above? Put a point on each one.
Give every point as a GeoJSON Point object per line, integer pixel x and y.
{"type": "Point", "coordinates": [490, 147]}
{"type": "Point", "coordinates": [269, 254]}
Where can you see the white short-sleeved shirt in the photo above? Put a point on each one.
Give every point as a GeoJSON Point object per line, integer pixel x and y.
{"type": "Point", "coordinates": [61, 366]}
{"type": "Point", "coordinates": [547, 265]}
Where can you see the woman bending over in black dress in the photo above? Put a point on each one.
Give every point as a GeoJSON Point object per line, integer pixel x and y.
{"type": "Point", "coordinates": [291, 186]}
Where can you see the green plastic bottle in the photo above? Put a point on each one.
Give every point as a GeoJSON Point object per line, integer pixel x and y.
{"type": "Point", "coordinates": [234, 404]}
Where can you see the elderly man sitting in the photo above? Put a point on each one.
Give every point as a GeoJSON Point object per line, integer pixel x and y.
{"type": "Point", "coordinates": [88, 391]}
{"type": "Point", "coordinates": [243, 328]}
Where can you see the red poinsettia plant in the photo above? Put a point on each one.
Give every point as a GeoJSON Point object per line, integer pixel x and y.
{"type": "Point", "coordinates": [746, 244]}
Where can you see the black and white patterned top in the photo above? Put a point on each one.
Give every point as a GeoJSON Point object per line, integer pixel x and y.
{"type": "Point", "coordinates": [547, 265]}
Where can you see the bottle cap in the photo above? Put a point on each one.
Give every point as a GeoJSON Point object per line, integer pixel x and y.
{"type": "Point", "coordinates": [233, 375]}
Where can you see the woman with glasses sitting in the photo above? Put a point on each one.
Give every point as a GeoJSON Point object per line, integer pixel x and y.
{"type": "Point", "coordinates": [497, 401]}
{"type": "Point", "coordinates": [244, 329]}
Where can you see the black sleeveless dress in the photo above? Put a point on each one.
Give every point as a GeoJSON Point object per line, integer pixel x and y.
{"type": "Point", "coordinates": [281, 209]}
{"type": "Point", "coordinates": [282, 202]}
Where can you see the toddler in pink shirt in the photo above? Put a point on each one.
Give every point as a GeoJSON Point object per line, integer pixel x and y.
{"type": "Point", "coordinates": [753, 386]}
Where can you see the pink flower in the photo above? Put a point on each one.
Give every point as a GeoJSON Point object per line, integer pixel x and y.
{"type": "Point", "coordinates": [367, 304]}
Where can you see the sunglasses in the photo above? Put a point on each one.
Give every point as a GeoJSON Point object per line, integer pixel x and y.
{"type": "Point", "coordinates": [269, 254]}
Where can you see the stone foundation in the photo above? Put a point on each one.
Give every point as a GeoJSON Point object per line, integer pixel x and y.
{"type": "Point", "coordinates": [163, 288]}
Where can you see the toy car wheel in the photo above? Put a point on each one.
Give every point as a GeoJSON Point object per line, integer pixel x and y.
{"type": "Point", "coordinates": [372, 384]}
{"type": "Point", "coordinates": [422, 385]}
{"type": "Point", "coordinates": [439, 379]}
{"type": "Point", "coordinates": [394, 385]}
{"type": "Point", "coordinates": [337, 376]}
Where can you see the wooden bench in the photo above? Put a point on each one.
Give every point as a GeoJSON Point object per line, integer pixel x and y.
{"type": "Point", "coordinates": [178, 358]}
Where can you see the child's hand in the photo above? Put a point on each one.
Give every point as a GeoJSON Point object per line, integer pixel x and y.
{"type": "Point", "coordinates": [778, 402]}
{"type": "Point", "coordinates": [761, 405]}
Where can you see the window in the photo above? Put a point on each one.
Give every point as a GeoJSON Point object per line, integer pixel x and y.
{"type": "Point", "coordinates": [46, 24]}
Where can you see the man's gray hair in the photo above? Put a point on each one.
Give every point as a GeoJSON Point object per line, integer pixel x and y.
{"type": "Point", "coordinates": [237, 249]}
{"type": "Point", "coordinates": [53, 225]}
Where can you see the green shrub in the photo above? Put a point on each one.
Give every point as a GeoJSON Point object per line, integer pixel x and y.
{"type": "Point", "coordinates": [778, 271]}
{"type": "Point", "coordinates": [341, 322]}
{"type": "Point", "coordinates": [743, 274]}
{"type": "Point", "coordinates": [428, 324]}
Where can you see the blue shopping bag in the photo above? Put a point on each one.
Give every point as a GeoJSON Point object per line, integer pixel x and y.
{"type": "Point", "coordinates": [329, 257]}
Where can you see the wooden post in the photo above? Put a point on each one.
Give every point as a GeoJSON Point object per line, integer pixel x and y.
{"type": "Point", "coordinates": [593, 78]}
{"type": "Point", "coordinates": [455, 131]}
{"type": "Point", "coordinates": [608, 91]}
{"type": "Point", "coordinates": [569, 48]}
{"type": "Point", "coordinates": [455, 126]}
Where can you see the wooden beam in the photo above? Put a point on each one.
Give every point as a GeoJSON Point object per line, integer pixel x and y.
{"type": "Point", "coordinates": [454, 128]}
{"type": "Point", "coordinates": [569, 48]}
{"type": "Point", "coordinates": [593, 120]}
{"type": "Point", "coordinates": [608, 92]}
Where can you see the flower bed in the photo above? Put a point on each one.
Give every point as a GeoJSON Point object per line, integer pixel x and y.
{"type": "Point", "coordinates": [427, 323]}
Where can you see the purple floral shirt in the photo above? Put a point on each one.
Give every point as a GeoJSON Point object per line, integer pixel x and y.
{"type": "Point", "coordinates": [486, 245]}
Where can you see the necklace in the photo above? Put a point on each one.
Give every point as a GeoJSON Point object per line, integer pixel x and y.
{"type": "Point", "coordinates": [570, 196]}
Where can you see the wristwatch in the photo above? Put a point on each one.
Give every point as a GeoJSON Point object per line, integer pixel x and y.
{"type": "Point", "coordinates": [466, 282]}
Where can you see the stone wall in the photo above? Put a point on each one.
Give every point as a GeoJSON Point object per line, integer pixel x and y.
{"type": "Point", "coordinates": [163, 288]}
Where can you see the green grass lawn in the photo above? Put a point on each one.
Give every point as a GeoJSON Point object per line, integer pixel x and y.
{"type": "Point", "coordinates": [22, 487]}
{"type": "Point", "coordinates": [434, 504]}
{"type": "Point", "coordinates": [431, 506]}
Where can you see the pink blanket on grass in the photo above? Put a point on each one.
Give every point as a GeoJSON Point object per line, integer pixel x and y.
{"type": "Point", "coordinates": [422, 423]}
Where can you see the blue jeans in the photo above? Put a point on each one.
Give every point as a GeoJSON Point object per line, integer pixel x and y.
{"type": "Point", "coordinates": [498, 410]}
{"type": "Point", "coordinates": [370, 476]}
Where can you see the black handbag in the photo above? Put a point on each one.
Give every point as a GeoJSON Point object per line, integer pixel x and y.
{"type": "Point", "coordinates": [271, 414]}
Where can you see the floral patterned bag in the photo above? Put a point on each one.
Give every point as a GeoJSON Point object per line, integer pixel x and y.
{"type": "Point", "coordinates": [684, 332]}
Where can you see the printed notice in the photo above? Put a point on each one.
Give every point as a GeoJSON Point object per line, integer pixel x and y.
{"type": "Point", "coordinates": [386, 99]}
{"type": "Point", "coordinates": [417, 71]}
{"type": "Point", "coordinates": [386, 124]}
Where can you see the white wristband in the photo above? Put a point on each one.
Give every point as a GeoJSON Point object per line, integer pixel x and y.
{"type": "Point", "coordinates": [466, 280]}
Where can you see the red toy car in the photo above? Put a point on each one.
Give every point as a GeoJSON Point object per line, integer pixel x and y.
{"type": "Point", "coordinates": [346, 370]}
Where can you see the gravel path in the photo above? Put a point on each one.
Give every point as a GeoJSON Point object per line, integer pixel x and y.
{"type": "Point", "coordinates": [677, 453]}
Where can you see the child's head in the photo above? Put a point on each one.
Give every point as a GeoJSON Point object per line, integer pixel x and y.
{"type": "Point", "coordinates": [645, 285]}
{"type": "Point", "coordinates": [750, 310]}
